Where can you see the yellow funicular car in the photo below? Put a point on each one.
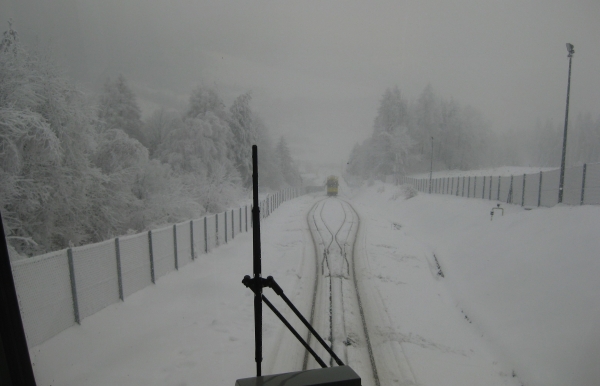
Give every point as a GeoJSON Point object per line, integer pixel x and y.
{"type": "Point", "coordinates": [332, 186]}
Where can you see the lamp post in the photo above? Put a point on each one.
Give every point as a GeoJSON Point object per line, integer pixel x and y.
{"type": "Point", "coordinates": [571, 50]}
{"type": "Point", "coordinates": [431, 168]}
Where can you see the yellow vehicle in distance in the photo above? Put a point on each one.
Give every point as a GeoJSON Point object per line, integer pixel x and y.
{"type": "Point", "coordinates": [332, 186]}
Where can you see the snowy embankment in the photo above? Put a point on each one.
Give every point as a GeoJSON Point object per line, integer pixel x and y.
{"type": "Point", "coordinates": [518, 293]}
{"type": "Point", "coordinates": [504, 171]}
{"type": "Point", "coordinates": [528, 280]}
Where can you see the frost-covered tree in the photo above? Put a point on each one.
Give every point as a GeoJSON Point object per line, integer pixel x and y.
{"type": "Point", "coordinates": [118, 108]}
{"type": "Point", "coordinates": [289, 171]}
{"type": "Point", "coordinates": [204, 100]}
{"type": "Point", "coordinates": [46, 136]}
{"type": "Point", "coordinates": [158, 126]}
{"type": "Point", "coordinates": [244, 130]}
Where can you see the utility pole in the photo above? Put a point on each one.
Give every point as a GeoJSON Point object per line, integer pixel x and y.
{"type": "Point", "coordinates": [571, 50]}
{"type": "Point", "coordinates": [431, 168]}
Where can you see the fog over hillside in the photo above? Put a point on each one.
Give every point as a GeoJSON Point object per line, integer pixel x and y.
{"type": "Point", "coordinates": [317, 71]}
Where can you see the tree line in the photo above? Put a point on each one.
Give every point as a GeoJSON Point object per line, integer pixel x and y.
{"type": "Point", "coordinates": [404, 130]}
{"type": "Point", "coordinates": [76, 169]}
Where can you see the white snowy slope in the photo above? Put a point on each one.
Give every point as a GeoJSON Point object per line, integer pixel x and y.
{"type": "Point", "coordinates": [518, 294]}
{"type": "Point", "coordinates": [506, 171]}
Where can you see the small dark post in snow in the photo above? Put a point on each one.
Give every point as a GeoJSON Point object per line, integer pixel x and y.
{"type": "Point", "coordinates": [583, 184]}
{"type": "Point", "coordinates": [205, 236]}
{"type": "Point", "coordinates": [151, 256]}
{"type": "Point", "coordinates": [192, 238]}
{"type": "Point", "coordinates": [540, 191]}
{"type": "Point", "coordinates": [73, 286]}
{"type": "Point", "coordinates": [217, 229]}
{"type": "Point", "coordinates": [175, 246]}
{"type": "Point", "coordinates": [523, 196]}
{"type": "Point", "coordinates": [225, 219]}
{"type": "Point", "coordinates": [119, 275]}
{"type": "Point", "coordinates": [498, 198]}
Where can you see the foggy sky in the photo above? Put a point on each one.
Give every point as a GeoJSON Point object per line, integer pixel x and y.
{"type": "Point", "coordinates": [317, 69]}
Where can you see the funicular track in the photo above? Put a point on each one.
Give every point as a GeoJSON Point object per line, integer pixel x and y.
{"type": "Point", "coordinates": [337, 311]}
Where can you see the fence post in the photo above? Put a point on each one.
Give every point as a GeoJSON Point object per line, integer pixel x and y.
{"type": "Point", "coordinates": [509, 198]}
{"type": "Point", "coordinates": [73, 286]}
{"type": "Point", "coordinates": [490, 192]}
{"type": "Point", "coordinates": [463, 187]}
{"type": "Point", "coordinates": [175, 246]}
{"type": "Point", "coordinates": [498, 197]}
{"type": "Point", "coordinates": [217, 229]}
{"type": "Point", "coordinates": [474, 186]}
{"type": "Point", "coordinates": [119, 273]}
{"type": "Point", "coordinates": [583, 184]}
{"type": "Point", "coordinates": [232, 225]}
{"type": "Point", "coordinates": [225, 219]}
{"type": "Point", "coordinates": [523, 196]}
{"type": "Point", "coordinates": [205, 236]}
{"type": "Point", "coordinates": [540, 191]}
{"type": "Point", "coordinates": [192, 238]}
{"type": "Point", "coordinates": [151, 253]}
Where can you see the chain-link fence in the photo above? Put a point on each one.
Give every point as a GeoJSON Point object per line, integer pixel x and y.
{"type": "Point", "coordinates": [59, 289]}
{"type": "Point", "coordinates": [581, 186]}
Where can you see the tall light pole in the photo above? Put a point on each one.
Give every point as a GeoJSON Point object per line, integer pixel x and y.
{"type": "Point", "coordinates": [431, 168]}
{"type": "Point", "coordinates": [571, 50]}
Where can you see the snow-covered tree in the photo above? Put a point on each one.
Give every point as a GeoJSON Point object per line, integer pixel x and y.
{"type": "Point", "coordinates": [289, 171]}
{"type": "Point", "coordinates": [158, 127]}
{"type": "Point", "coordinates": [46, 136]}
{"type": "Point", "coordinates": [118, 108]}
{"type": "Point", "coordinates": [244, 130]}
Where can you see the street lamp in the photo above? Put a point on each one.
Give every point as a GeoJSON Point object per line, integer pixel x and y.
{"type": "Point", "coordinates": [431, 169]}
{"type": "Point", "coordinates": [571, 50]}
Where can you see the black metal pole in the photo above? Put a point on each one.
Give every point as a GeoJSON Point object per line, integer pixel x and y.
{"type": "Point", "coordinates": [564, 147]}
{"type": "Point", "coordinates": [256, 264]}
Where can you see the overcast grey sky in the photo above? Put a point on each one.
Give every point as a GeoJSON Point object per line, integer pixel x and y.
{"type": "Point", "coordinates": [317, 69]}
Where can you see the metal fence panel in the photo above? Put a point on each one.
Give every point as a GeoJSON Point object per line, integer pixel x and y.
{"type": "Point", "coordinates": [211, 231]}
{"type": "Point", "coordinates": [592, 185]}
{"type": "Point", "coordinates": [478, 187]}
{"type": "Point", "coordinates": [494, 188]}
{"type": "Point", "coordinates": [135, 263]}
{"type": "Point", "coordinates": [163, 251]}
{"type": "Point", "coordinates": [199, 247]}
{"type": "Point", "coordinates": [532, 185]}
{"type": "Point", "coordinates": [572, 185]}
{"type": "Point", "coordinates": [44, 290]}
{"type": "Point", "coordinates": [96, 278]}
{"type": "Point", "coordinates": [504, 188]}
{"type": "Point", "coordinates": [550, 182]}
{"type": "Point", "coordinates": [517, 193]}
{"type": "Point", "coordinates": [184, 244]}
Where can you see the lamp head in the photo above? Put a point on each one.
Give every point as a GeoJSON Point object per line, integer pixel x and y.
{"type": "Point", "coordinates": [571, 49]}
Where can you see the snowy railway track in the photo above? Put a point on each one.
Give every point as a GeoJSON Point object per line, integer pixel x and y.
{"type": "Point", "coordinates": [336, 302]}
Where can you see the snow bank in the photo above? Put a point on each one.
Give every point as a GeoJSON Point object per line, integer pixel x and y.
{"type": "Point", "coordinates": [527, 280]}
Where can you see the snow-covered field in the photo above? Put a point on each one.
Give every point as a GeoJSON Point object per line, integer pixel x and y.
{"type": "Point", "coordinates": [517, 303]}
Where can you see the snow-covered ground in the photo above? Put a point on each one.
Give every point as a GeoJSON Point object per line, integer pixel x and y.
{"type": "Point", "coordinates": [499, 171]}
{"type": "Point", "coordinates": [517, 302]}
